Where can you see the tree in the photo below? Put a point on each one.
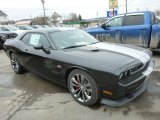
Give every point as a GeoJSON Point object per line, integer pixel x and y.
{"type": "Point", "coordinates": [80, 17]}
{"type": "Point", "coordinates": [39, 21]}
{"type": "Point", "coordinates": [72, 17]}
{"type": "Point", "coordinates": [157, 12]}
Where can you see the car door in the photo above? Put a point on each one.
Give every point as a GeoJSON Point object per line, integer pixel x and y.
{"type": "Point", "coordinates": [136, 31]}
{"type": "Point", "coordinates": [37, 60]}
{"type": "Point", "coordinates": [112, 30]}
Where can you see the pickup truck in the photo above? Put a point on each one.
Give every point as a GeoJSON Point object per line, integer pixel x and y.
{"type": "Point", "coordinates": [138, 28]}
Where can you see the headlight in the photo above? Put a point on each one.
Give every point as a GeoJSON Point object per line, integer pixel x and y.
{"type": "Point", "coordinates": [4, 38]}
{"type": "Point", "coordinates": [124, 75]}
{"type": "Point", "coordinates": [131, 71]}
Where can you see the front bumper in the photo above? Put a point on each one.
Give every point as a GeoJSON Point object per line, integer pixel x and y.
{"type": "Point", "coordinates": [132, 95]}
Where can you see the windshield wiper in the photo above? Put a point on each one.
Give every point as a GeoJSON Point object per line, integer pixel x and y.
{"type": "Point", "coordinates": [73, 46]}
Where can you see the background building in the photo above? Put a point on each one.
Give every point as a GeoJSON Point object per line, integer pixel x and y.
{"type": "Point", "coordinates": [24, 22]}
{"type": "Point", "coordinates": [56, 19]}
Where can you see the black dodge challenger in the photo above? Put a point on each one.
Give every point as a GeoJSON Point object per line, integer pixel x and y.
{"type": "Point", "coordinates": [93, 71]}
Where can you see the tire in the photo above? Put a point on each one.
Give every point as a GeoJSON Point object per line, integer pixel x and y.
{"type": "Point", "coordinates": [17, 68]}
{"type": "Point", "coordinates": [1, 45]}
{"type": "Point", "coordinates": [83, 87]}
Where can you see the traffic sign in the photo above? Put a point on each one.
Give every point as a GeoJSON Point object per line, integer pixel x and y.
{"type": "Point", "coordinates": [113, 4]}
{"type": "Point", "coordinates": [110, 13]}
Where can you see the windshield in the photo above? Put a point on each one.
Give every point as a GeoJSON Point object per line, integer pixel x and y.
{"type": "Point", "coordinates": [11, 27]}
{"type": "Point", "coordinates": [28, 28]}
{"type": "Point", "coordinates": [66, 39]}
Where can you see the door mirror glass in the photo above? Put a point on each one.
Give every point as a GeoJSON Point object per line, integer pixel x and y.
{"type": "Point", "coordinates": [103, 26]}
{"type": "Point", "coordinates": [38, 46]}
{"type": "Point", "coordinates": [135, 20]}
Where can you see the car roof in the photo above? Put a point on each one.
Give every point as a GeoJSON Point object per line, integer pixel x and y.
{"type": "Point", "coordinates": [53, 29]}
{"type": "Point", "coordinates": [131, 13]}
{"type": "Point", "coordinates": [47, 30]}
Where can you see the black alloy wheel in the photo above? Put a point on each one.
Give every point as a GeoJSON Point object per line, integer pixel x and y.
{"type": "Point", "coordinates": [83, 87]}
{"type": "Point", "coordinates": [17, 68]}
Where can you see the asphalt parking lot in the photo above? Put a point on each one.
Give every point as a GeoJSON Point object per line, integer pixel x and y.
{"type": "Point", "coordinates": [29, 97]}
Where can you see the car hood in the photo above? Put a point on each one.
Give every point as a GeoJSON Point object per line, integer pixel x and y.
{"type": "Point", "coordinates": [113, 54]}
{"type": "Point", "coordinates": [92, 29]}
{"type": "Point", "coordinates": [19, 32]}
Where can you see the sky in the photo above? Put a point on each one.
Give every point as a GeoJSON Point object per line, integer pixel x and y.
{"type": "Point", "coordinates": [26, 9]}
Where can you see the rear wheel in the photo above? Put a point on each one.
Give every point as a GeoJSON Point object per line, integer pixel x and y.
{"type": "Point", "coordinates": [17, 68]}
{"type": "Point", "coordinates": [83, 87]}
{"type": "Point", "coordinates": [1, 45]}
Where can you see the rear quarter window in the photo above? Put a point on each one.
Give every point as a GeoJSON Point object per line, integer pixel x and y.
{"type": "Point", "coordinates": [25, 38]}
{"type": "Point", "coordinates": [134, 20]}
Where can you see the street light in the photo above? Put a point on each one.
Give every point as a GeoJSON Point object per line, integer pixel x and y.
{"type": "Point", "coordinates": [43, 1]}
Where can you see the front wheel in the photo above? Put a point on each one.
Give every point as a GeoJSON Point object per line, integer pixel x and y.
{"type": "Point", "coordinates": [83, 87]}
{"type": "Point", "coordinates": [17, 68]}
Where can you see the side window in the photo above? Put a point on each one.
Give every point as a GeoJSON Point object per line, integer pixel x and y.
{"type": "Point", "coordinates": [26, 38]}
{"type": "Point", "coordinates": [4, 29]}
{"type": "Point", "coordinates": [115, 22]}
{"type": "Point", "coordinates": [157, 20]}
{"type": "Point", "coordinates": [153, 18]}
{"type": "Point", "coordinates": [134, 20]}
{"type": "Point", "coordinates": [22, 28]}
{"type": "Point", "coordinates": [36, 39]}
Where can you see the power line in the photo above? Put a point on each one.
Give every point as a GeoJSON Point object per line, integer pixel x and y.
{"type": "Point", "coordinates": [146, 3]}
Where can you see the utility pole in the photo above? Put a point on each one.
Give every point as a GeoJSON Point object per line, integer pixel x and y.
{"type": "Point", "coordinates": [113, 11]}
{"type": "Point", "coordinates": [43, 1]}
{"type": "Point", "coordinates": [97, 14]}
{"type": "Point", "coordinates": [126, 5]}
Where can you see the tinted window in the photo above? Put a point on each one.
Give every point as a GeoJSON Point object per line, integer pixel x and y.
{"type": "Point", "coordinates": [134, 20]}
{"type": "Point", "coordinates": [4, 29]}
{"type": "Point", "coordinates": [153, 18]}
{"type": "Point", "coordinates": [115, 22]}
{"type": "Point", "coordinates": [26, 38]}
{"type": "Point", "coordinates": [22, 28]}
{"type": "Point", "coordinates": [25, 28]}
{"type": "Point", "coordinates": [157, 20]}
{"type": "Point", "coordinates": [36, 39]}
{"type": "Point", "coordinates": [11, 27]}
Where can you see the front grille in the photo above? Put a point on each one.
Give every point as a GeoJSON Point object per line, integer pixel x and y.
{"type": "Point", "coordinates": [135, 85]}
{"type": "Point", "coordinates": [136, 69]}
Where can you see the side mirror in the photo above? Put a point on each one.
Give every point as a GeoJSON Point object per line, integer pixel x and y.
{"type": "Point", "coordinates": [38, 47]}
{"type": "Point", "coordinates": [103, 26]}
{"type": "Point", "coordinates": [108, 26]}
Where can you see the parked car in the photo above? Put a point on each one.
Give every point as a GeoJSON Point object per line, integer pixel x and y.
{"type": "Point", "coordinates": [10, 28]}
{"type": "Point", "coordinates": [92, 70]}
{"type": "Point", "coordinates": [44, 26]}
{"type": "Point", "coordinates": [51, 26]}
{"type": "Point", "coordinates": [4, 36]}
{"type": "Point", "coordinates": [139, 28]}
{"type": "Point", "coordinates": [24, 27]}
{"type": "Point", "coordinates": [36, 26]}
